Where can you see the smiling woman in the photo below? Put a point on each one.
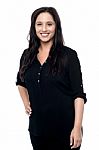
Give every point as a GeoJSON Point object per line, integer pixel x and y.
{"type": "Point", "coordinates": [50, 84]}
{"type": "Point", "coordinates": [45, 31]}
{"type": "Point", "coordinates": [45, 27]}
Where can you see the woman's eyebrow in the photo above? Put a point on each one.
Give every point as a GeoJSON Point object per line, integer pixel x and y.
{"type": "Point", "coordinates": [46, 22]}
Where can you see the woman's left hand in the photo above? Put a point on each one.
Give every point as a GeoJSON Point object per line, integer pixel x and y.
{"type": "Point", "coordinates": [75, 137]}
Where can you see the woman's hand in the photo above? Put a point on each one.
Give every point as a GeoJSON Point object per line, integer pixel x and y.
{"type": "Point", "coordinates": [76, 133]}
{"type": "Point", "coordinates": [28, 109]}
{"type": "Point", "coordinates": [75, 137]}
{"type": "Point", "coordinates": [25, 98]}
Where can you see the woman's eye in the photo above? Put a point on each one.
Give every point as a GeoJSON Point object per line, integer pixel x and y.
{"type": "Point", "coordinates": [49, 24]}
{"type": "Point", "coordinates": [38, 23]}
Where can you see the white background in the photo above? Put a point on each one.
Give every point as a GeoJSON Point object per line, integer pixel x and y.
{"type": "Point", "coordinates": [80, 24]}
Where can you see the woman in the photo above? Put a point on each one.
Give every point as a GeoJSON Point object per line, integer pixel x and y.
{"type": "Point", "coordinates": [50, 84]}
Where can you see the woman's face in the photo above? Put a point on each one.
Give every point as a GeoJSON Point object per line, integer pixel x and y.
{"type": "Point", "coordinates": [45, 27]}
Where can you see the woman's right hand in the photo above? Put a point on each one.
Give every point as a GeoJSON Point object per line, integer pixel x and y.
{"type": "Point", "coordinates": [28, 109]}
{"type": "Point", "coordinates": [25, 98]}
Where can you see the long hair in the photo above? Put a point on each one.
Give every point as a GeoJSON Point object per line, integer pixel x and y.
{"type": "Point", "coordinates": [34, 43]}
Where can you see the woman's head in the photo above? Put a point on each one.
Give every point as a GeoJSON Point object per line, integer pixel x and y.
{"type": "Point", "coordinates": [45, 20]}
{"type": "Point", "coordinates": [45, 26]}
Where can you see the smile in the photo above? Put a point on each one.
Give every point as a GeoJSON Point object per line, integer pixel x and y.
{"type": "Point", "coordinates": [44, 34]}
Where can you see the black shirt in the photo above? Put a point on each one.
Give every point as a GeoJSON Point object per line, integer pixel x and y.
{"type": "Point", "coordinates": [52, 97]}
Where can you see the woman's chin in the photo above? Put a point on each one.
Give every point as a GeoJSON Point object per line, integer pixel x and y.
{"type": "Point", "coordinates": [45, 40]}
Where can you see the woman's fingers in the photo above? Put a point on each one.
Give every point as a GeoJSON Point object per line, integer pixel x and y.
{"type": "Point", "coordinates": [76, 143]}
{"type": "Point", "coordinates": [75, 138]}
{"type": "Point", "coordinates": [28, 110]}
{"type": "Point", "coordinates": [71, 140]}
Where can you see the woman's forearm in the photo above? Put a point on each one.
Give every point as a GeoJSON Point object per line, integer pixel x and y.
{"type": "Point", "coordinates": [76, 133]}
{"type": "Point", "coordinates": [79, 109]}
{"type": "Point", "coordinates": [25, 98]}
{"type": "Point", "coordinates": [24, 95]}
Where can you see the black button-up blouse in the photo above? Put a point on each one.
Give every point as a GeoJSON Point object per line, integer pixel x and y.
{"type": "Point", "coordinates": [52, 97]}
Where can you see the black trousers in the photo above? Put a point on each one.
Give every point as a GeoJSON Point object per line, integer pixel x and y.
{"type": "Point", "coordinates": [50, 143]}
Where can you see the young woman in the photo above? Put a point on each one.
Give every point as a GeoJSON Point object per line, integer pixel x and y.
{"type": "Point", "coordinates": [50, 84]}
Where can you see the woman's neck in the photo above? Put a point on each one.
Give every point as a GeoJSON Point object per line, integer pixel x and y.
{"type": "Point", "coordinates": [45, 47]}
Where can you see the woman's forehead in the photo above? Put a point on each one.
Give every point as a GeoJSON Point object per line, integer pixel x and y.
{"type": "Point", "coordinates": [44, 16]}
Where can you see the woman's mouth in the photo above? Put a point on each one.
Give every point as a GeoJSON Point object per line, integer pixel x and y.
{"type": "Point", "coordinates": [44, 34]}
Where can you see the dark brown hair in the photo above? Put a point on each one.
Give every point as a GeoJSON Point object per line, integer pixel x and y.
{"type": "Point", "coordinates": [34, 43]}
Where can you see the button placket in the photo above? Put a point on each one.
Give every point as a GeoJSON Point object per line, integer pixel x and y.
{"type": "Point", "coordinates": [39, 73]}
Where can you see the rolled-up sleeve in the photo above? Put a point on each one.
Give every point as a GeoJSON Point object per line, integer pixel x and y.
{"type": "Point", "coordinates": [18, 79]}
{"type": "Point", "coordinates": [75, 76]}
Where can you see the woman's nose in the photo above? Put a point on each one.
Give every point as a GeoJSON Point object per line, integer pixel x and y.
{"type": "Point", "coordinates": [44, 28]}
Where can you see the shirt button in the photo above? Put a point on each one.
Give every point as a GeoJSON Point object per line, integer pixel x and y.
{"type": "Point", "coordinates": [38, 81]}
{"type": "Point", "coordinates": [38, 73]}
{"type": "Point", "coordinates": [40, 67]}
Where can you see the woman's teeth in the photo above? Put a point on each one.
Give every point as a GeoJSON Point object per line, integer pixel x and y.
{"type": "Point", "coordinates": [44, 34]}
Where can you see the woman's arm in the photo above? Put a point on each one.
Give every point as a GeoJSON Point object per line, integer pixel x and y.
{"type": "Point", "coordinates": [79, 109]}
{"type": "Point", "coordinates": [79, 98]}
{"type": "Point", "coordinates": [76, 134]}
{"type": "Point", "coordinates": [25, 98]}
